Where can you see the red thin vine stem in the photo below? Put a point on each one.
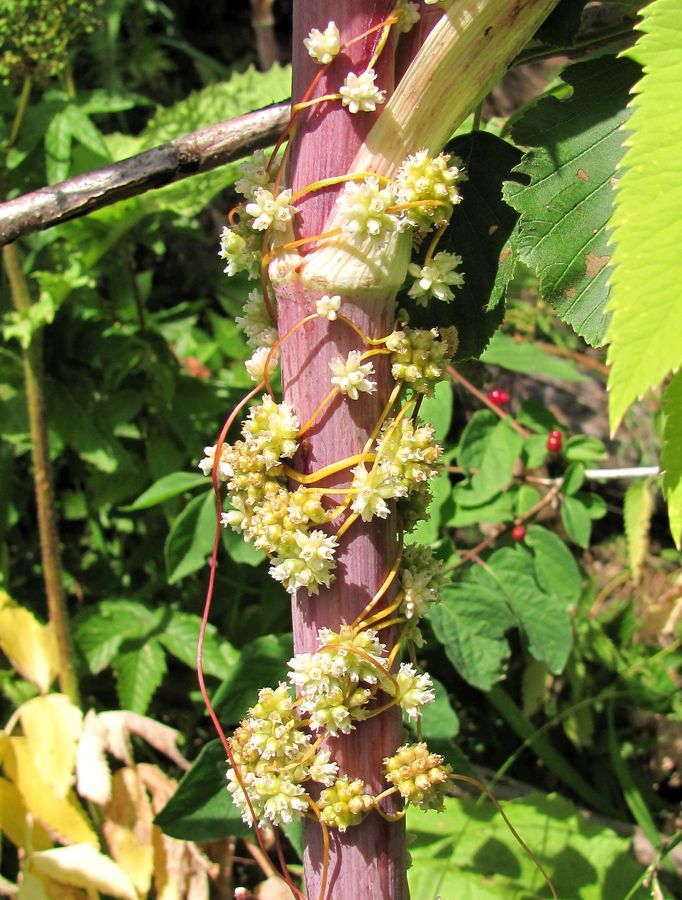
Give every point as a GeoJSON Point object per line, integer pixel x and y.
{"type": "Point", "coordinates": [284, 875]}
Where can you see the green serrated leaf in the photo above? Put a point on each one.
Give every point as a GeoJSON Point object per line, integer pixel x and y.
{"type": "Point", "coordinates": [180, 637]}
{"type": "Point", "coordinates": [671, 457]}
{"type": "Point", "coordinates": [647, 313]}
{"type": "Point", "coordinates": [475, 437]}
{"type": "Point", "coordinates": [84, 131]}
{"type": "Point", "coordinates": [565, 209]}
{"type": "Point", "coordinates": [58, 148]}
{"type": "Point", "coordinates": [139, 672]}
{"type": "Point", "coordinates": [556, 570]}
{"type": "Point", "coordinates": [495, 467]}
{"type": "Point", "coordinates": [99, 631]}
{"type": "Point", "coordinates": [470, 622]}
{"type": "Point", "coordinates": [542, 616]}
{"type": "Point", "coordinates": [165, 488]}
{"type": "Point", "coordinates": [201, 809]}
{"type": "Point", "coordinates": [468, 851]}
{"type": "Point", "coordinates": [478, 232]}
{"type": "Point", "coordinates": [522, 356]}
{"type": "Point", "coordinates": [263, 663]}
{"type": "Point", "coordinates": [439, 720]}
{"type": "Point", "coordinates": [437, 410]}
{"type": "Point", "coordinates": [576, 521]}
{"type": "Point", "coordinates": [190, 540]}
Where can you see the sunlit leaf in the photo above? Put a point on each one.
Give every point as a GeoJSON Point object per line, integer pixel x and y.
{"type": "Point", "coordinates": [83, 866]}
{"type": "Point", "coordinates": [29, 646]}
{"type": "Point", "coordinates": [671, 457]}
{"type": "Point", "coordinates": [127, 828]}
{"type": "Point", "coordinates": [637, 512]}
{"type": "Point", "coordinates": [52, 725]}
{"type": "Point", "coordinates": [647, 313]}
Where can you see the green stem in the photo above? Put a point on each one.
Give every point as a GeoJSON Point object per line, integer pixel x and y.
{"type": "Point", "coordinates": [21, 112]}
{"type": "Point", "coordinates": [516, 720]}
{"type": "Point", "coordinates": [42, 476]}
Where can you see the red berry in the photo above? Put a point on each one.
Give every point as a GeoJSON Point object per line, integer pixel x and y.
{"type": "Point", "coordinates": [518, 532]}
{"type": "Point", "coordinates": [554, 441]}
{"type": "Point", "coordinates": [498, 397]}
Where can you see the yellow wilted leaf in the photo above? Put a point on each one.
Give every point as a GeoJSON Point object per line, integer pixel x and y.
{"type": "Point", "coordinates": [92, 769]}
{"type": "Point", "coordinates": [15, 823]}
{"type": "Point", "coordinates": [52, 725]}
{"type": "Point", "coordinates": [62, 818]}
{"type": "Point", "coordinates": [35, 887]}
{"type": "Point", "coordinates": [29, 646]}
{"type": "Point", "coordinates": [128, 828]}
{"type": "Point", "coordinates": [81, 865]}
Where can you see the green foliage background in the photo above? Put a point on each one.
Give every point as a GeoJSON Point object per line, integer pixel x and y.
{"type": "Point", "coordinates": [142, 362]}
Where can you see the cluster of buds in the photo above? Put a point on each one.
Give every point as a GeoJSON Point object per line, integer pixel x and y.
{"type": "Point", "coordinates": [420, 357]}
{"type": "Point", "coordinates": [421, 578]}
{"type": "Point", "coordinates": [420, 776]}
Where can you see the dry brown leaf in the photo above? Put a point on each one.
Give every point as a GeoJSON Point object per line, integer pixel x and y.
{"type": "Point", "coordinates": [61, 817]}
{"type": "Point", "coordinates": [30, 646]}
{"type": "Point", "coordinates": [127, 828]}
{"type": "Point", "coordinates": [161, 737]}
{"type": "Point", "coordinates": [52, 725]}
{"type": "Point", "coordinates": [180, 869]}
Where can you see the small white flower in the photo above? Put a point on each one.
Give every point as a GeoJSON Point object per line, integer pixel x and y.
{"type": "Point", "coordinates": [408, 15]}
{"type": "Point", "coordinates": [255, 323]}
{"type": "Point", "coordinates": [322, 770]}
{"type": "Point", "coordinates": [256, 365]}
{"type": "Point", "coordinates": [307, 564]}
{"type": "Point", "coordinates": [269, 211]}
{"type": "Point", "coordinates": [436, 278]}
{"type": "Point", "coordinates": [239, 254]}
{"type": "Point", "coordinates": [254, 175]}
{"type": "Point", "coordinates": [224, 468]}
{"type": "Point", "coordinates": [327, 307]}
{"type": "Point", "coordinates": [351, 376]}
{"type": "Point", "coordinates": [415, 690]}
{"type": "Point", "coordinates": [323, 46]}
{"type": "Point", "coordinates": [359, 93]}
{"type": "Point", "coordinates": [373, 489]}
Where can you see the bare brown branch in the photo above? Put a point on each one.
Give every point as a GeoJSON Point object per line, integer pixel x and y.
{"type": "Point", "coordinates": [197, 152]}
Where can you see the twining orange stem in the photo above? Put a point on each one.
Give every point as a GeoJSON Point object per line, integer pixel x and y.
{"type": "Point", "coordinates": [393, 571]}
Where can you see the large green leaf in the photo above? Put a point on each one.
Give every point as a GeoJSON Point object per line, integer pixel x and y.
{"type": "Point", "coordinates": [647, 313]}
{"type": "Point", "coordinates": [201, 808]}
{"type": "Point", "coordinates": [556, 570]}
{"type": "Point", "coordinates": [190, 540]}
{"type": "Point", "coordinates": [521, 356]}
{"type": "Point", "coordinates": [470, 622]}
{"type": "Point", "coordinates": [165, 488]}
{"type": "Point", "coordinates": [99, 631]}
{"type": "Point", "coordinates": [671, 458]}
{"type": "Point", "coordinates": [139, 670]}
{"type": "Point", "coordinates": [542, 616]}
{"type": "Point", "coordinates": [494, 468]}
{"type": "Point", "coordinates": [469, 852]}
{"type": "Point", "coordinates": [180, 637]}
{"type": "Point", "coordinates": [478, 231]}
{"type": "Point", "coordinates": [564, 211]}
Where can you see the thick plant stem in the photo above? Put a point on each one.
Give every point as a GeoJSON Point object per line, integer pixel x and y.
{"type": "Point", "coordinates": [367, 860]}
{"type": "Point", "coordinates": [42, 477]}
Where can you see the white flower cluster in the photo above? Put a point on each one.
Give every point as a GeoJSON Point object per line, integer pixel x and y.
{"type": "Point", "coordinates": [351, 375]}
{"type": "Point", "coordinates": [241, 249]}
{"type": "Point", "coordinates": [275, 758]}
{"type": "Point", "coordinates": [276, 520]}
{"type": "Point", "coordinates": [408, 15]}
{"type": "Point", "coordinates": [421, 777]}
{"type": "Point", "coordinates": [327, 307]}
{"type": "Point", "coordinates": [364, 208]}
{"type": "Point", "coordinates": [405, 460]}
{"type": "Point", "coordinates": [255, 323]}
{"type": "Point", "coordinates": [323, 46]}
{"type": "Point", "coordinates": [336, 684]}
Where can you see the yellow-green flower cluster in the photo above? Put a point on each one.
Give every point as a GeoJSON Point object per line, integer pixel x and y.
{"type": "Point", "coordinates": [420, 357]}
{"type": "Point", "coordinates": [432, 183]}
{"type": "Point", "coordinates": [421, 777]}
{"type": "Point", "coordinates": [274, 519]}
{"type": "Point", "coordinates": [275, 757]}
{"type": "Point", "coordinates": [345, 803]}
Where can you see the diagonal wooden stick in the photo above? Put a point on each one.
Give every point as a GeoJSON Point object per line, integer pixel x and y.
{"type": "Point", "coordinates": [197, 152]}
